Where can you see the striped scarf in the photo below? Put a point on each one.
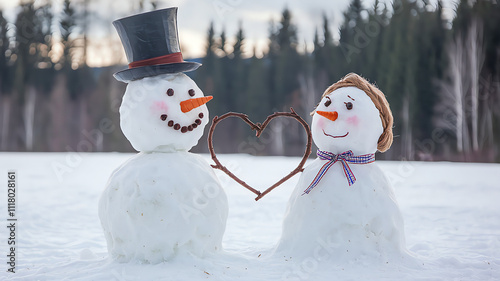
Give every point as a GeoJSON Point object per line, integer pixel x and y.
{"type": "Point", "coordinates": [344, 158]}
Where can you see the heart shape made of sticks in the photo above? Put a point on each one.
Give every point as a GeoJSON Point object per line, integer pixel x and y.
{"type": "Point", "coordinates": [259, 128]}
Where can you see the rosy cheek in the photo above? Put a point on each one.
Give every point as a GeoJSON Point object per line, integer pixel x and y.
{"type": "Point", "coordinates": [321, 123]}
{"type": "Point", "coordinates": [353, 121]}
{"type": "Point", "coordinates": [159, 106]}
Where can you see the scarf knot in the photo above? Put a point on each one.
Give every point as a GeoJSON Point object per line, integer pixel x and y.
{"type": "Point", "coordinates": [345, 158]}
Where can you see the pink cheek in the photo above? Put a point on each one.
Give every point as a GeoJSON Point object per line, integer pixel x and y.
{"type": "Point", "coordinates": [321, 123]}
{"type": "Point", "coordinates": [352, 121]}
{"type": "Point", "coordinates": [159, 106]}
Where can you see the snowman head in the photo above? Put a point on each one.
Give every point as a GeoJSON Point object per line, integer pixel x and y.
{"type": "Point", "coordinates": [352, 115]}
{"type": "Point", "coordinates": [163, 113]}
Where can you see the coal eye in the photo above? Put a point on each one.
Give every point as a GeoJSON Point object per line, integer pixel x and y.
{"type": "Point", "coordinates": [191, 92]}
{"type": "Point", "coordinates": [328, 102]}
{"type": "Point", "coordinates": [170, 92]}
{"type": "Point", "coordinates": [348, 105]}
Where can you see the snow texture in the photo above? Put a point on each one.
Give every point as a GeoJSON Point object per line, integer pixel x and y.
{"type": "Point", "coordinates": [450, 210]}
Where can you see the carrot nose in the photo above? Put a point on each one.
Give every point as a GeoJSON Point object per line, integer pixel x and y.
{"type": "Point", "coordinates": [332, 115]}
{"type": "Point", "coordinates": [191, 104]}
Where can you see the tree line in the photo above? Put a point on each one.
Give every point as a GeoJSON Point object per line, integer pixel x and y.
{"type": "Point", "coordinates": [440, 77]}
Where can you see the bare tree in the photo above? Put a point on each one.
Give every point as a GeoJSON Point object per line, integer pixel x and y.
{"type": "Point", "coordinates": [475, 53]}
{"type": "Point", "coordinates": [460, 89]}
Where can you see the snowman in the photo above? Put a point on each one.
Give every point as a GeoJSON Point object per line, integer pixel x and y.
{"type": "Point", "coordinates": [165, 201]}
{"type": "Point", "coordinates": [343, 207]}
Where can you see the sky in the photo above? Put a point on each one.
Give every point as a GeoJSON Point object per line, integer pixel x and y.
{"type": "Point", "coordinates": [194, 17]}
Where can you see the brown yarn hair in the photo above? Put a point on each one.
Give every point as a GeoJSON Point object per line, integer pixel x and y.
{"type": "Point", "coordinates": [377, 97]}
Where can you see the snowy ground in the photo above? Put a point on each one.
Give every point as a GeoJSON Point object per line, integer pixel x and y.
{"type": "Point", "coordinates": [451, 211]}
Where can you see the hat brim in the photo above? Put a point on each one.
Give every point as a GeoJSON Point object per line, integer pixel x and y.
{"type": "Point", "coordinates": [136, 73]}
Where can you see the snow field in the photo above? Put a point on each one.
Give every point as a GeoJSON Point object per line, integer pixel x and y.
{"type": "Point", "coordinates": [450, 210]}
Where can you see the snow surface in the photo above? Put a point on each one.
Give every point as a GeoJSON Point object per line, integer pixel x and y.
{"type": "Point", "coordinates": [451, 215]}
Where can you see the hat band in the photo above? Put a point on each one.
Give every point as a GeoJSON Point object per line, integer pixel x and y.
{"type": "Point", "coordinates": [166, 59]}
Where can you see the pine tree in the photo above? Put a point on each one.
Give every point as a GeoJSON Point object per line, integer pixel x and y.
{"type": "Point", "coordinates": [222, 44]}
{"type": "Point", "coordinates": [67, 27]}
{"type": "Point", "coordinates": [431, 35]}
{"type": "Point", "coordinates": [208, 75]}
{"type": "Point", "coordinates": [374, 29]}
{"type": "Point", "coordinates": [239, 68]}
{"type": "Point", "coordinates": [287, 92]}
{"type": "Point", "coordinates": [399, 84]}
{"type": "Point", "coordinates": [272, 57]}
{"type": "Point", "coordinates": [286, 61]}
{"type": "Point", "coordinates": [287, 33]}
{"type": "Point", "coordinates": [381, 69]}
{"type": "Point", "coordinates": [210, 41]}
{"type": "Point", "coordinates": [327, 34]}
{"type": "Point", "coordinates": [317, 44]}
{"type": "Point", "coordinates": [238, 45]}
{"type": "Point", "coordinates": [5, 80]}
{"type": "Point", "coordinates": [317, 54]}
{"type": "Point", "coordinates": [256, 92]}
{"type": "Point", "coordinates": [224, 81]}
{"type": "Point", "coordinates": [43, 33]}
{"type": "Point", "coordinates": [325, 48]}
{"type": "Point", "coordinates": [352, 37]}
{"type": "Point", "coordinates": [325, 65]}
{"type": "Point", "coordinates": [43, 80]}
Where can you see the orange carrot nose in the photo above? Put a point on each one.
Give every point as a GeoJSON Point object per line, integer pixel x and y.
{"type": "Point", "coordinates": [191, 104]}
{"type": "Point", "coordinates": [332, 115]}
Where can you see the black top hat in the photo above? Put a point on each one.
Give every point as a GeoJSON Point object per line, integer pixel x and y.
{"type": "Point", "coordinates": [151, 44]}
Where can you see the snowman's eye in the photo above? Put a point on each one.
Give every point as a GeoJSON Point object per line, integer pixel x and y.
{"type": "Point", "coordinates": [170, 92]}
{"type": "Point", "coordinates": [328, 102]}
{"type": "Point", "coordinates": [348, 105]}
{"type": "Point", "coordinates": [191, 92]}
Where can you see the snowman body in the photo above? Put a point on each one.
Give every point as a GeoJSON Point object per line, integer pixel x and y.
{"type": "Point", "coordinates": [347, 221]}
{"type": "Point", "coordinates": [335, 219]}
{"type": "Point", "coordinates": [158, 205]}
{"type": "Point", "coordinates": [165, 201]}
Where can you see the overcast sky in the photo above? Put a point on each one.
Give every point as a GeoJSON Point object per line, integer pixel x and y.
{"type": "Point", "coordinates": [194, 17]}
